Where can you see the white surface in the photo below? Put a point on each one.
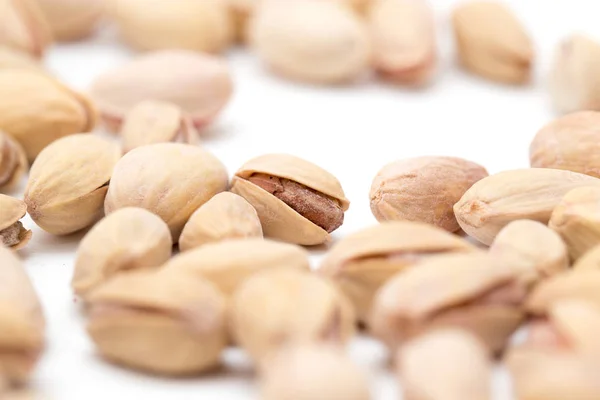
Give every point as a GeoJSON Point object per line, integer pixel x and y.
{"type": "Point", "coordinates": [352, 132]}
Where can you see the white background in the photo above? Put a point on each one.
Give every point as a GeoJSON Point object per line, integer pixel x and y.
{"type": "Point", "coordinates": [352, 132]}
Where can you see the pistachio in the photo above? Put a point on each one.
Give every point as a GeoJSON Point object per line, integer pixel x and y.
{"type": "Point", "coordinates": [404, 41]}
{"type": "Point", "coordinates": [491, 42]}
{"type": "Point", "coordinates": [68, 182]}
{"type": "Point", "coordinates": [225, 216]}
{"type": "Point", "coordinates": [128, 239]}
{"type": "Point", "coordinates": [296, 201]}
{"type": "Point", "coordinates": [493, 202]}
{"type": "Point", "coordinates": [333, 48]}
{"type": "Point", "coordinates": [162, 323]}
{"type": "Point", "coordinates": [150, 177]}
{"type": "Point", "coordinates": [423, 189]}
{"type": "Point", "coordinates": [433, 358]}
{"type": "Point", "coordinates": [473, 292]}
{"type": "Point", "coordinates": [13, 162]}
{"type": "Point", "coordinates": [312, 371]}
{"type": "Point", "coordinates": [589, 260]}
{"type": "Point", "coordinates": [199, 84]}
{"type": "Point", "coordinates": [360, 263]}
{"type": "Point", "coordinates": [72, 19]}
{"type": "Point", "coordinates": [12, 232]}
{"type": "Point", "coordinates": [570, 142]}
{"type": "Point", "coordinates": [16, 59]}
{"type": "Point", "coordinates": [24, 26]}
{"type": "Point", "coordinates": [279, 307]}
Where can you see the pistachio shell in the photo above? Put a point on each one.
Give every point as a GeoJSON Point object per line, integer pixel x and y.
{"type": "Point", "coordinates": [72, 19]}
{"type": "Point", "coordinates": [13, 162]}
{"type": "Point", "coordinates": [578, 321]}
{"type": "Point", "coordinates": [577, 284]}
{"type": "Point", "coordinates": [13, 58]}
{"type": "Point", "coordinates": [24, 26]}
{"type": "Point", "coordinates": [12, 232]}
{"type": "Point", "coordinates": [590, 260]}
{"type": "Point", "coordinates": [128, 239]}
{"type": "Point", "coordinates": [68, 182]}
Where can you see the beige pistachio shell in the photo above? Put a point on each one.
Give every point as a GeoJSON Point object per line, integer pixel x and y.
{"type": "Point", "coordinates": [128, 239]}
{"type": "Point", "coordinates": [68, 182]}
{"type": "Point", "coordinates": [11, 58]}
{"type": "Point", "coordinates": [12, 232]}
{"type": "Point", "coordinates": [172, 180]}
{"type": "Point", "coordinates": [590, 260]}
{"type": "Point", "coordinates": [162, 323]}
{"type": "Point", "coordinates": [578, 322]}
{"type": "Point", "coordinates": [24, 26]}
{"type": "Point", "coordinates": [493, 202]}
{"type": "Point", "coordinates": [72, 19]}
{"type": "Point", "coordinates": [13, 162]}
{"type": "Point", "coordinates": [225, 216]}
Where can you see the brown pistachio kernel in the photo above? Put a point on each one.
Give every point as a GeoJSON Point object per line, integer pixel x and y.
{"type": "Point", "coordinates": [12, 232]}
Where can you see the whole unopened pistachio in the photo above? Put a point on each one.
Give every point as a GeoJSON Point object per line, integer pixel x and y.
{"type": "Point", "coordinates": [13, 162]}
{"type": "Point", "coordinates": [491, 42]}
{"type": "Point", "coordinates": [333, 48]}
{"type": "Point", "coordinates": [24, 26]}
{"type": "Point", "coordinates": [162, 323]}
{"type": "Point", "coordinates": [493, 202]}
{"type": "Point", "coordinates": [279, 307]}
{"type": "Point", "coordinates": [570, 285]}
{"type": "Point", "coordinates": [589, 260]}
{"type": "Point", "coordinates": [455, 360]}
{"type": "Point", "coordinates": [312, 371]}
{"type": "Point", "coordinates": [130, 238]}
{"type": "Point", "coordinates": [169, 179]}
{"type": "Point", "coordinates": [12, 232]}
{"type": "Point", "coordinates": [423, 189]}
{"type": "Point", "coordinates": [571, 142]}
{"type": "Point", "coordinates": [360, 263]}
{"type": "Point", "coordinates": [72, 19]}
{"type": "Point", "coordinates": [11, 58]}
{"type": "Point", "coordinates": [36, 110]}
{"type": "Point", "coordinates": [225, 216]}
{"type": "Point", "coordinates": [198, 83]}
{"type": "Point", "coordinates": [68, 182]}
{"type": "Point", "coordinates": [296, 201]}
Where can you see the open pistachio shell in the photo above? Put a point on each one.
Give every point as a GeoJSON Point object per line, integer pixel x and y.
{"type": "Point", "coordinates": [575, 284]}
{"type": "Point", "coordinates": [24, 26]}
{"type": "Point", "coordinates": [12, 232]}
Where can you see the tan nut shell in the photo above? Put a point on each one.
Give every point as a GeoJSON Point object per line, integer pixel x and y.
{"type": "Point", "coordinates": [13, 162]}
{"type": "Point", "coordinates": [128, 239]}
{"type": "Point", "coordinates": [423, 189]}
{"type": "Point", "coordinates": [493, 202]}
{"type": "Point", "coordinates": [590, 260]}
{"type": "Point", "coordinates": [279, 307]}
{"type": "Point", "coordinates": [68, 182]}
{"type": "Point", "coordinates": [16, 59]}
{"type": "Point", "coordinates": [578, 322]}
{"type": "Point", "coordinates": [11, 211]}
{"type": "Point", "coordinates": [225, 216]}
{"type": "Point", "coordinates": [169, 179]}
{"type": "Point", "coordinates": [162, 323]}
{"type": "Point", "coordinates": [360, 263]}
{"type": "Point", "coordinates": [24, 26]}
{"type": "Point", "coordinates": [72, 19]}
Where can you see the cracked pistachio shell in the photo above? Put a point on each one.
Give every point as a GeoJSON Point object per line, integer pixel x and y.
{"type": "Point", "coordinates": [360, 263]}
{"type": "Point", "coordinates": [24, 27]}
{"type": "Point", "coordinates": [128, 239]}
{"type": "Point", "coordinates": [493, 202]}
{"type": "Point", "coordinates": [12, 232]}
{"type": "Point", "coordinates": [280, 221]}
{"type": "Point", "coordinates": [36, 110]}
{"type": "Point", "coordinates": [68, 182]}
{"type": "Point", "coordinates": [279, 307]}
{"type": "Point", "coordinates": [172, 180]}
{"type": "Point", "coordinates": [200, 84]}
{"type": "Point", "coordinates": [72, 19]}
{"type": "Point", "coordinates": [161, 323]}
{"type": "Point", "coordinates": [589, 261]}
{"type": "Point", "coordinates": [225, 216]}
{"type": "Point", "coordinates": [13, 162]}
{"type": "Point", "coordinates": [11, 58]}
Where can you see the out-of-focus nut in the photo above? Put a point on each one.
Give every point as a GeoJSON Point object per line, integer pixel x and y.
{"type": "Point", "coordinates": [11, 58]}
{"type": "Point", "coordinates": [589, 260]}
{"type": "Point", "coordinates": [575, 284]}
{"type": "Point", "coordinates": [72, 19]}
{"type": "Point", "coordinates": [13, 162]}
{"type": "Point", "coordinates": [24, 26]}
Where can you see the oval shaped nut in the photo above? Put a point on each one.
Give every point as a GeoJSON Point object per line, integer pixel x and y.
{"type": "Point", "coordinates": [229, 263]}
{"type": "Point", "coordinates": [491, 42]}
{"type": "Point", "coordinates": [13, 162]}
{"type": "Point", "coordinates": [589, 260]}
{"type": "Point", "coordinates": [225, 216]}
{"type": "Point", "coordinates": [24, 26]}
{"type": "Point", "coordinates": [423, 189]}
{"type": "Point", "coordinates": [68, 183]}
{"type": "Point", "coordinates": [312, 371]}
{"type": "Point", "coordinates": [296, 201]}
{"type": "Point", "coordinates": [577, 323]}
{"type": "Point", "coordinates": [432, 358]}
{"type": "Point", "coordinates": [333, 48]}
{"type": "Point", "coordinates": [128, 239]}
{"type": "Point", "coordinates": [404, 44]}
{"type": "Point", "coordinates": [493, 202]}
{"type": "Point", "coordinates": [12, 232]}
{"type": "Point", "coordinates": [169, 179]}
{"type": "Point", "coordinates": [72, 19]}
{"type": "Point", "coordinates": [280, 307]}
{"type": "Point", "coordinates": [199, 84]}
{"type": "Point", "coordinates": [11, 58]}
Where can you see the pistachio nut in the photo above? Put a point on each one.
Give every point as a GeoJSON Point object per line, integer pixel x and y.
{"type": "Point", "coordinates": [152, 122]}
{"type": "Point", "coordinates": [162, 323]}
{"type": "Point", "coordinates": [491, 42]}
{"type": "Point", "coordinates": [229, 263]}
{"type": "Point", "coordinates": [574, 284]}
{"type": "Point", "coordinates": [473, 292]}
{"type": "Point", "coordinates": [423, 189]}
{"type": "Point", "coordinates": [13, 162]}
{"type": "Point", "coordinates": [72, 19]}
{"type": "Point", "coordinates": [225, 216]}
{"type": "Point", "coordinates": [333, 48]}
{"type": "Point", "coordinates": [296, 201]}
{"type": "Point", "coordinates": [11, 58]}
{"type": "Point", "coordinates": [493, 202]}
{"type": "Point", "coordinates": [169, 179]}
{"type": "Point", "coordinates": [360, 263]}
{"type": "Point", "coordinates": [68, 182]}
{"type": "Point", "coordinates": [589, 260]}
{"type": "Point", "coordinates": [36, 110]}
{"type": "Point", "coordinates": [24, 26]}
{"type": "Point", "coordinates": [128, 239]}
{"type": "Point", "coordinates": [279, 307]}
{"type": "Point", "coordinates": [12, 232]}
{"type": "Point", "coordinates": [404, 44]}
{"type": "Point", "coordinates": [312, 371]}
{"type": "Point", "coordinates": [433, 358]}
